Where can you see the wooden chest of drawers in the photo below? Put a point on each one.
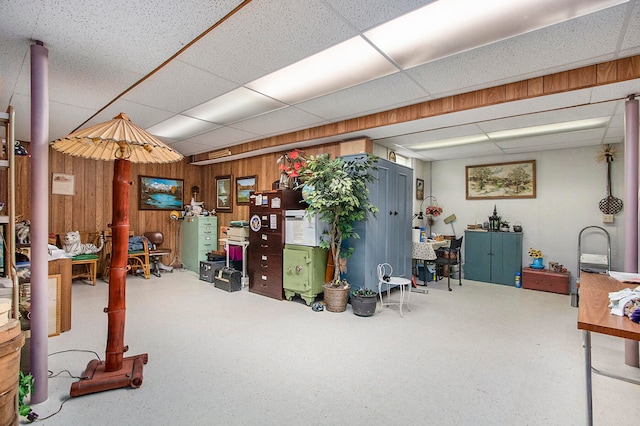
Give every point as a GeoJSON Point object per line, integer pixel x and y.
{"type": "Point", "coordinates": [545, 280]}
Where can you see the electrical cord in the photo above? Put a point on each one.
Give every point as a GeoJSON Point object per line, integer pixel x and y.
{"type": "Point", "coordinates": [32, 416]}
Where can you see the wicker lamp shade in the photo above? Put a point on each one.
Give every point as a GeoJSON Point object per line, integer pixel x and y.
{"type": "Point", "coordinates": [117, 138]}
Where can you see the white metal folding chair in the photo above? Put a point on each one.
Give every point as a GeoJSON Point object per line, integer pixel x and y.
{"type": "Point", "coordinates": [385, 277]}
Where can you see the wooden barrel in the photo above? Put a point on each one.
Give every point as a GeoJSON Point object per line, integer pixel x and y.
{"type": "Point", "coordinates": [11, 341]}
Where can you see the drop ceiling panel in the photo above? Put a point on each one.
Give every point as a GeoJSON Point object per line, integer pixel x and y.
{"type": "Point", "coordinates": [556, 140]}
{"type": "Point", "coordinates": [365, 98]}
{"type": "Point", "coordinates": [475, 150]}
{"type": "Point", "coordinates": [565, 145]}
{"type": "Point", "coordinates": [434, 135]}
{"type": "Point", "coordinates": [281, 121]}
{"type": "Point", "coordinates": [143, 36]}
{"type": "Point", "coordinates": [142, 115]}
{"type": "Point", "coordinates": [631, 40]}
{"type": "Point", "coordinates": [222, 137]}
{"type": "Point", "coordinates": [267, 35]}
{"type": "Point", "coordinates": [365, 14]}
{"type": "Point", "coordinates": [172, 88]}
{"type": "Point", "coordinates": [188, 147]}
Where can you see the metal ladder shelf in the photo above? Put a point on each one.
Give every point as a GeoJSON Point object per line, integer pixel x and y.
{"type": "Point", "coordinates": [589, 262]}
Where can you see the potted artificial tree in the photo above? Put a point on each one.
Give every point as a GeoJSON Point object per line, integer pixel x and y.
{"type": "Point", "coordinates": [336, 190]}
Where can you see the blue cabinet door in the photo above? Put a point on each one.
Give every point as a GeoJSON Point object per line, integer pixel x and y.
{"type": "Point", "coordinates": [477, 256]}
{"type": "Point", "coordinates": [511, 255]}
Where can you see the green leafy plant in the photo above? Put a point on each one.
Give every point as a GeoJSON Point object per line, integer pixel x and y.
{"type": "Point", "coordinates": [338, 193]}
{"type": "Point", "coordinates": [364, 292]}
{"type": "Point", "coordinates": [25, 388]}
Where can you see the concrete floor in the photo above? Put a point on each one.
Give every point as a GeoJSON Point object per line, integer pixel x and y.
{"type": "Point", "coordinates": [483, 354]}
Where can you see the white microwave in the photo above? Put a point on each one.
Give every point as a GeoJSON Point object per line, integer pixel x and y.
{"type": "Point", "coordinates": [302, 230]}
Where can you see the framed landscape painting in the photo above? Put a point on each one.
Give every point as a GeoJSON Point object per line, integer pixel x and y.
{"type": "Point", "coordinates": [244, 186]}
{"type": "Point", "coordinates": [224, 193]}
{"type": "Point", "coordinates": [501, 180]}
{"type": "Point", "coordinates": [160, 193]}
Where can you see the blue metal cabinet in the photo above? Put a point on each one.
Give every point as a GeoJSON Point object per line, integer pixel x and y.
{"type": "Point", "coordinates": [387, 236]}
{"type": "Point", "coordinates": [493, 257]}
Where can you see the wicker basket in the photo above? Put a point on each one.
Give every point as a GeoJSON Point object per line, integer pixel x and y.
{"type": "Point", "coordinates": [335, 299]}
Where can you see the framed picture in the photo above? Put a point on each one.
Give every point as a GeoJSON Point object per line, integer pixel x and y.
{"type": "Point", "coordinates": [244, 186]}
{"type": "Point", "coordinates": [419, 189]}
{"type": "Point", "coordinates": [53, 304]}
{"type": "Point", "coordinates": [160, 193]}
{"type": "Point", "coordinates": [224, 193]}
{"type": "Point", "coordinates": [62, 184]}
{"type": "Point", "coordinates": [501, 180]}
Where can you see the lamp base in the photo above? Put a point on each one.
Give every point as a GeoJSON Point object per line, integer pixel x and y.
{"type": "Point", "coordinates": [95, 379]}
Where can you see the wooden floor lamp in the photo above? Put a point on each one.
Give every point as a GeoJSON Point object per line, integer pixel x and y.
{"type": "Point", "coordinates": [124, 142]}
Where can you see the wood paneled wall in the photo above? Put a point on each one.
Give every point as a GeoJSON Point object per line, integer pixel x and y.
{"type": "Point", "coordinates": [89, 209]}
{"type": "Point", "coordinates": [265, 167]}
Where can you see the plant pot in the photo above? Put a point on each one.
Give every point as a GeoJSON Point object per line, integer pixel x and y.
{"type": "Point", "coordinates": [364, 306]}
{"type": "Point", "coordinates": [336, 298]}
{"type": "Point", "coordinates": [537, 263]}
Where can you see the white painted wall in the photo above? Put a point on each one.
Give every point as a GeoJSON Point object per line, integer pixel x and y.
{"type": "Point", "coordinates": [570, 183]}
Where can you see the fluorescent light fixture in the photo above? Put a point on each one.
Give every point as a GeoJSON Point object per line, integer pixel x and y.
{"type": "Point", "coordinates": [445, 143]}
{"type": "Point", "coordinates": [549, 129]}
{"type": "Point", "coordinates": [181, 127]}
{"type": "Point", "coordinates": [347, 64]}
{"type": "Point", "coordinates": [447, 27]}
{"type": "Point", "coordinates": [236, 105]}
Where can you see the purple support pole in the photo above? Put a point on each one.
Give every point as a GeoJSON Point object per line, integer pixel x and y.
{"type": "Point", "coordinates": [631, 357]}
{"type": "Point", "coordinates": [39, 219]}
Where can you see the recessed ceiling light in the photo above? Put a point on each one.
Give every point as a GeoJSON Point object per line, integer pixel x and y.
{"type": "Point", "coordinates": [347, 64]}
{"type": "Point", "coordinates": [548, 129]}
{"type": "Point", "coordinates": [236, 105]}
{"type": "Point", "coordinates": [447, 27]}
{"type": "Point", "coordinates": [444, 143]}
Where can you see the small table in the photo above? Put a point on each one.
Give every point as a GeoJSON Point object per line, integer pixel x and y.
{"type": "Point", "coordinates": [244, 245]}
{"type": "Point", "coordinates": [594, 315]}
{"type": "Point", "coordinates": [427, 250]}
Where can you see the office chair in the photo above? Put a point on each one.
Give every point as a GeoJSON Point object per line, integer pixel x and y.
{"type": "Point", "coordinates": [156, 253]}
{"type": "Point", "coordinates": [449, 256]}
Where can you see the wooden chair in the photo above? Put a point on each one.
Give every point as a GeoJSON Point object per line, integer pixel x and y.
{"type": "Point", "coordinates": [136, 259]}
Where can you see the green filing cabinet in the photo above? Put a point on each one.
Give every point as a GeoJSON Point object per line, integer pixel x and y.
{"type": "Point", "coordinates": [199, 237]}
{"type": "Point", "coordinates": [303, 271]}
{"type": "Point", "coordinates": [493, 257]}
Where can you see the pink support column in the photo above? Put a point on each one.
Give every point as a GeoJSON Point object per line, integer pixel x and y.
{"type": "Point", "coordinates": [39, 219]}
{"type": "Point", "coordinates": [631, 357]}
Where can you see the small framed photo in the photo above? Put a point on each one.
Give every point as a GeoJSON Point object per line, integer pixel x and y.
{"type": "Point", "coordinates": [224, 194]}
{"type": "Point", "coordinates": [244, 186]}
{"type": "Point", "coordinates": [419, 189]}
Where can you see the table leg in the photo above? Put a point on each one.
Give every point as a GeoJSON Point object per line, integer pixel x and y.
{"type": "Point", "coordinates": [587, 365]}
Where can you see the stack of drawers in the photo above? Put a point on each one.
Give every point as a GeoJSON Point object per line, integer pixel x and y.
{"type": "Point", "coordinates": [266, 240]}
{"type": "Point", "coordinates": [199, 237]}
{"type": "Point", "coordinates": [545, 280]}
